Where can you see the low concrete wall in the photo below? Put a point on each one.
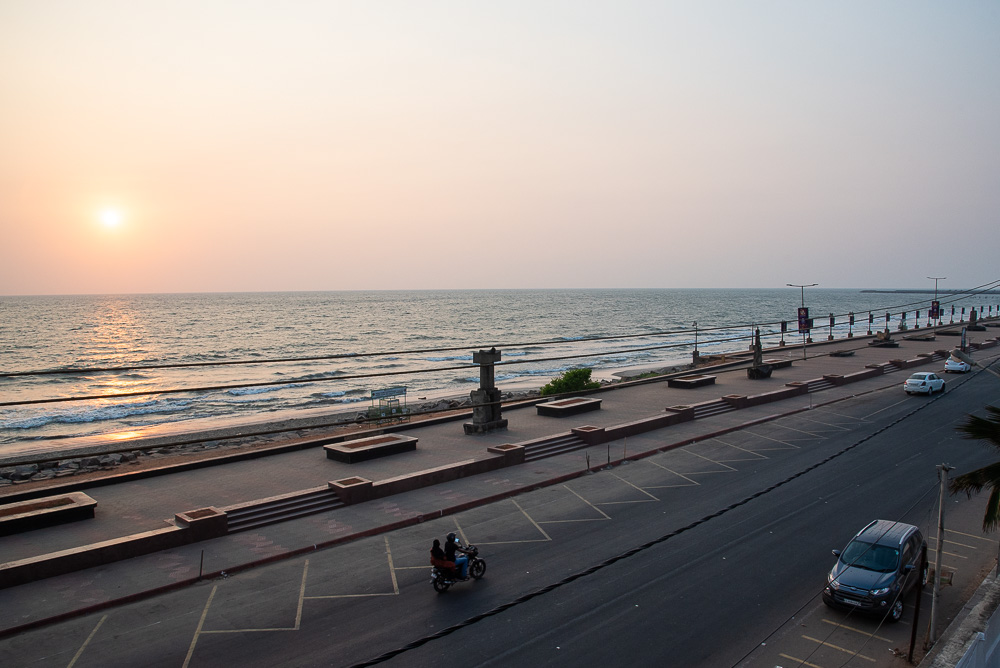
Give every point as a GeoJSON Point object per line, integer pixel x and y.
{"type": "Point", "coordinates": [777, 395]}
{"type": "Point", "coordinates": [14, 573]}
{"type": "Point", "coordinates": [435, 476]}
{"type": "Point", "coordinates": [637, 427]}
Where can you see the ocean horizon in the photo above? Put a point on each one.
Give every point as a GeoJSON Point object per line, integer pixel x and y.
{"type": "Point", "coordinates": [199, 358]}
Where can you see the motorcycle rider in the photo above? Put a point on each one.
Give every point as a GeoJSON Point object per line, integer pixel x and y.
{"type": "Point", "coordinates": [453, 551]}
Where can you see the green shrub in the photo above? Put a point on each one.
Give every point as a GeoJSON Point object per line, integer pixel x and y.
{"type": "Point", "coordinates": [573, 380]}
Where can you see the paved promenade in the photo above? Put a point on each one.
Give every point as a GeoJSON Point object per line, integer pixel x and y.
{"type": "Point", "coordinates": [132, 506]}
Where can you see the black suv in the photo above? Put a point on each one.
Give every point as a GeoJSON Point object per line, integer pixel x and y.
{"type": "Point", "coordinates": [877, 568]}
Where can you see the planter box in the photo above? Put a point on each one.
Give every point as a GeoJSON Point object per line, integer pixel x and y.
{"type": "Point", "coordinates": [691, 381]}
{"type": "Point", "coordinates": [44, 512]}
{"type": "Point", "coordinates": [571, 406]}
{"type": "Point", "coordinates": [363, 449]}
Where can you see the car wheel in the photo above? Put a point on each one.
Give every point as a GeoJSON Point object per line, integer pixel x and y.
{"type": "Point", "coordinates": [896, 612]}
{"type": "Point", "coordinates": [942, 387]}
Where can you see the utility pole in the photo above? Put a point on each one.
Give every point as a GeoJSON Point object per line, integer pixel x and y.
{"type": "Point", "coordinates": [943, 477]}
{"type": "Point", "coordinates": [803, 327]}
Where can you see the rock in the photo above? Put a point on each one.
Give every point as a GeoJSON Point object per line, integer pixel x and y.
{"type": "Point", "coordinates": [24, 472]}
{"type": "Point", "coordinates": [89, 462]}
{"type": "Point", "coordinates": [67, 464]}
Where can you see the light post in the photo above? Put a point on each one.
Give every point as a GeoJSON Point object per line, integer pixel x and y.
{"type": "Point", "coordinates": [936, 279]}
{"type": "Point", "coordinates": [695, 356]}
{"type": "Point", "coordinates": [803, 326]}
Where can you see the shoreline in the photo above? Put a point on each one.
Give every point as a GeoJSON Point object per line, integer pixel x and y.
{"type": "Point", "coordinates": [98, 455]}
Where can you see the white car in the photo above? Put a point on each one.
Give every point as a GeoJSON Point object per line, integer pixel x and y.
{"type": "Point", "coordinates": [956, 366]}
{"type": "Point", "coordinates": [924, 383]}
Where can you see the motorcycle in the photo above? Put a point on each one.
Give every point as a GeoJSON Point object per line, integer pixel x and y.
{"type": "Point", "coordinates": [443, 578]}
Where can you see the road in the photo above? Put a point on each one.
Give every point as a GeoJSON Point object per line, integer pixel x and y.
{"type": "Point", "coordinates": [714, 554]}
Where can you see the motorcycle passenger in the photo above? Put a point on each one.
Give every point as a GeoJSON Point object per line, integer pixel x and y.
{"type": "Point", "coordinates": [438, 557]}
{"type": "Point", "coordinates": [451, 548]}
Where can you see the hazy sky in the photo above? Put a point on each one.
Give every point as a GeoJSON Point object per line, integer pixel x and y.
{"type": "Point", "coordinates": [241, 146]}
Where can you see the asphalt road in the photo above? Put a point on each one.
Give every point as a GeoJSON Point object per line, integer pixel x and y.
{"type": "Point", "coordinates": [710, 555]}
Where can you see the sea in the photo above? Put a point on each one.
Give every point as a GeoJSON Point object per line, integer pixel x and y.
{"type": "Point", "coordinates": [120, 366]}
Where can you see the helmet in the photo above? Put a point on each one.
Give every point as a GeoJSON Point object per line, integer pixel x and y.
{"type": "Point", "coordinates": [451, 538]}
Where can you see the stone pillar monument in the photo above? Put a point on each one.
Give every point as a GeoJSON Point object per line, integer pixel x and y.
{"type": "Point", "coordinates": [485, 400]}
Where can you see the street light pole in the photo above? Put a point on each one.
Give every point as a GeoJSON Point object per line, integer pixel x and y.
{"type": "Point", "coordinates": [936, 279]}
{"type": "Point", "coordinates": [803, 289]}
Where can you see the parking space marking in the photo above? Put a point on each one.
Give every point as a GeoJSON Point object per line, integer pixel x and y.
{"type": "Point", "coordinates": [613, 503]}
{"type": "Point", "coordinates": [749, 452]}
{"type": "Point", "coordinates": [604, 516]}
{"type": "Point", "coordinates": [800, 662]}
{"type": "Point", "coordinates": [838, 648]}
{"type": "Point", "coordinates": [970, 535]}
{"type": "Point", "coordinates": [298, 611]}
{"type": "Point", "coordinates": [884, 409]}
{"type": "Point", "coordinates": [201, 624]}
{"type": "Point", "coordinates": [791, 446]}
{"type": "Point", "coordinates": [679, 475]}
{"type": "Point", "coordinates": [692, 452]}
{"type": "Point", "coordinates": [86, 642]}
{"type": "Point", "coordinates": [856, 419]}
{"type": "Point", "coordinates": [535, 524]}
{"type": "Point", "coordinates": [951, 542]}
{"type": "Point", "coordinates": [827, 424]}
{"type": "Point", "coordinates": [950, 554]}
{"type": "Point", "coordinates": [851, 628]}
{"type": "Point", "coordinates": [801, 431]}
{"type": "Point", "coordinates": [392, 575]}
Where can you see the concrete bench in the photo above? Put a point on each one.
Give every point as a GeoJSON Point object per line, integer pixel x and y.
{"type": "Point", "coordinates": [691, 381]}
{"type": "Point", "coordinates": [571, 406]}
{"type": "Point", "coordinates": [778, 364]}
{"type": "Point", "coordinates": [363, 449]}
{"type": "Point", "coordinates": [44, 512]}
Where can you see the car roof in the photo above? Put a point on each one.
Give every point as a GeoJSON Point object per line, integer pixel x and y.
{"type": "Point", "coordinates": [886, 532]}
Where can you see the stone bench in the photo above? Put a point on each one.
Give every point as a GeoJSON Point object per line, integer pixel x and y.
{"type": "Point", "coordinates": [44, 512]}
{"type": "Point", "coordinates": [572, 406]}
{"type": "Point", "coordinates": [778, 364]}
{"type": "Point", "coordinates": [691, 381]}
{"type": "Point", "coordinates": [363, 449]}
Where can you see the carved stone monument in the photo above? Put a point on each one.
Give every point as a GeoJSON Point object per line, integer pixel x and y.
{"type": "Point", "coordinates": [485, 400]}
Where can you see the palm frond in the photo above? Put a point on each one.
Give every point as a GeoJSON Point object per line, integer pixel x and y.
{"type": "Point", "coordinates": [983, 428]}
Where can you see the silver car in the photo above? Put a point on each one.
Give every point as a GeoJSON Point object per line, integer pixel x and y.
{"type": "Point", "coordinates": [924, 383]}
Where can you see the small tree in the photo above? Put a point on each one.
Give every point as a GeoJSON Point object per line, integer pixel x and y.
{"type": "Point", "coordinates": [573, 380]}
{"type": "Point", "coordinates": [983, 429]}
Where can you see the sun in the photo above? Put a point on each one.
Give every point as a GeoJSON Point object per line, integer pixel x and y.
{"type": "Point", "coordinates": [111, 218]}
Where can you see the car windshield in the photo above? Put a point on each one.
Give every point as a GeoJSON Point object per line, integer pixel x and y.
{"type": "Point", "coordinates": [880, 558]}
{"type": "Point", "coordinates": [918, 376]}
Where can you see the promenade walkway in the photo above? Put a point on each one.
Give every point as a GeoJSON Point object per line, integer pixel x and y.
{"type": "Point", "coordinates": [132, 506]}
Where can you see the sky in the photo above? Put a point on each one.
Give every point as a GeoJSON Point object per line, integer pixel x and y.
{"type": "Point", "coordinates": [204, 146]}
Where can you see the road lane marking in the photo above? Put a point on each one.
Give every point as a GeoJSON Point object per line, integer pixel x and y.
{"type": "Point", "coordinates": [197, 631]}
{"type": "Point", "coordinates": [839, 649]}
{"type": "Point", "coordinates": [86, 642]}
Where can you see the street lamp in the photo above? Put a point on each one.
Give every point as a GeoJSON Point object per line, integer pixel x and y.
{"type": "Point", "coordinates": [695, 356]}
{"type": "Point", "coordinates": [936, 279]}
{"type": "Point", "coordinates": [803, 326]}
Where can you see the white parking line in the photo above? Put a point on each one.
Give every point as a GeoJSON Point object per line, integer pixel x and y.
{"type": "Point", "coordinates": [86, 642]}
